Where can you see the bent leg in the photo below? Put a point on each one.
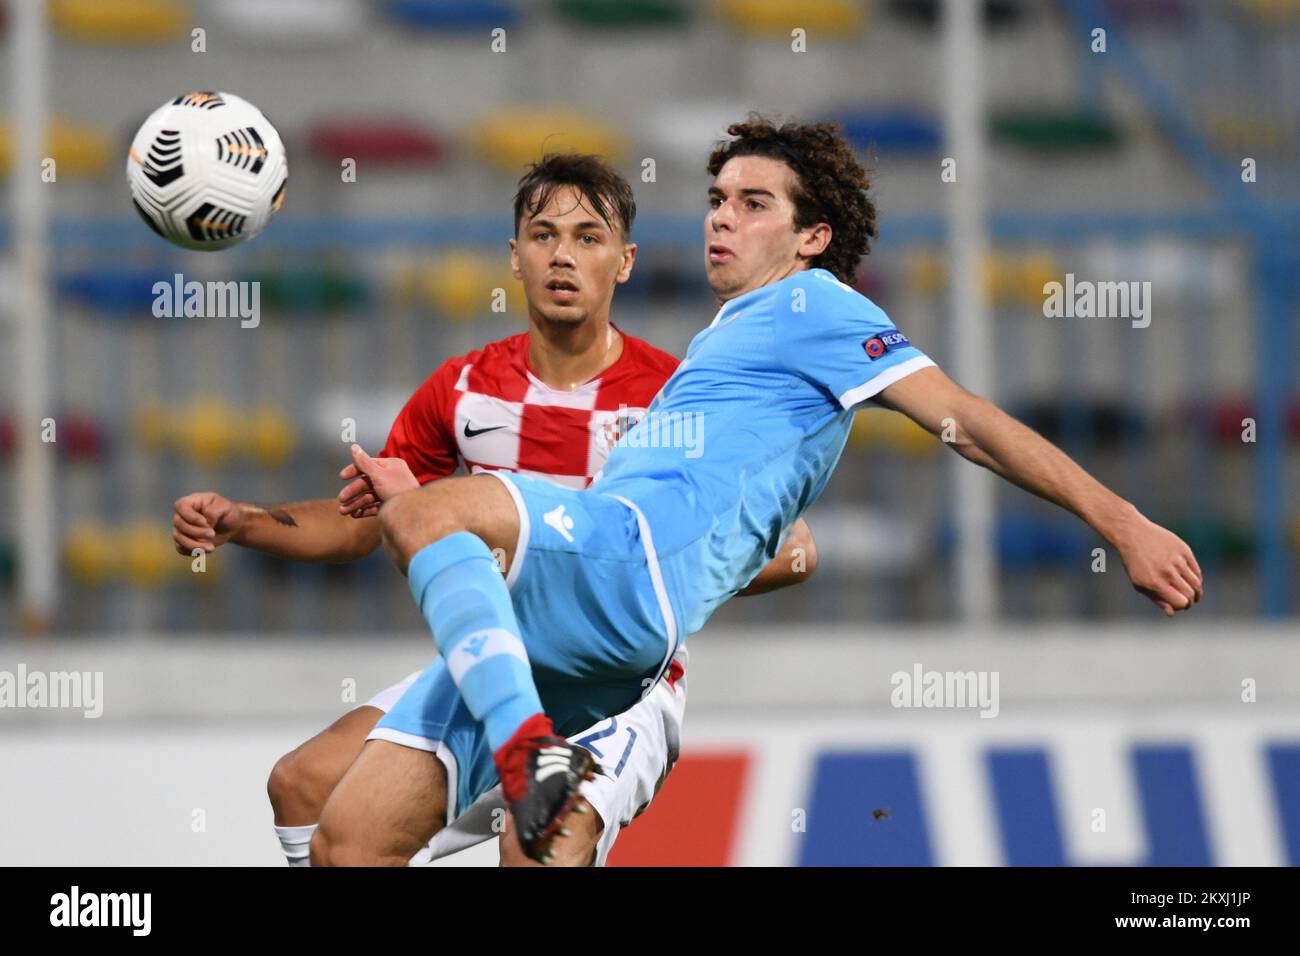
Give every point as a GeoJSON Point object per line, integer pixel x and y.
{"type": "Point", "coordinates": [303, 779]}
{"type": "Point", "coordinates": [443, 535]}
{"type": "Point", "coordinates": [385, 810]}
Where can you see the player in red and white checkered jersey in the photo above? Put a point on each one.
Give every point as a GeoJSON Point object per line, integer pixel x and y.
{"type": "Point", "coordinates": [548, 402]}
{"type": "Point", "coordinates": [489, 411]}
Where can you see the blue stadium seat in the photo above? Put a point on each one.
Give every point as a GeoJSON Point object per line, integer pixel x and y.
{"type": "Point", "coordinates": [452, 14]}
{"type": "Point", "coordinates": [892, 131]}
{"type": "Point", "coordinates": [1027, 542]}
{"type": "Point", "coordinates": [113, 291]}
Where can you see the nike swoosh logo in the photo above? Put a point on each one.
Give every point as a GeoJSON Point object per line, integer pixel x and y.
{"type": "Point", "coordinates": [475, 432]}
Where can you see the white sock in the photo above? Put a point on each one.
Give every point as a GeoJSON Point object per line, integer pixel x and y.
{"type": "Point", "coordinates": [296, 843]}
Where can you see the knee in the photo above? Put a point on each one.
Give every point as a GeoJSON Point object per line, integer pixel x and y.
{"type": "Point", "coordinates": [409, 521]}
{"type": "Point", "coordinates": [293, 789]}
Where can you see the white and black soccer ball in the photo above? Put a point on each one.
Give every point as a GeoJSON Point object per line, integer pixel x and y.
{"type": "Point", "coordinates": [207, 170]}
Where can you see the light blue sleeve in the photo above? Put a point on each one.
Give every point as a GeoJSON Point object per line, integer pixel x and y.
{"type": "Point", "coordinates": [838, 339]}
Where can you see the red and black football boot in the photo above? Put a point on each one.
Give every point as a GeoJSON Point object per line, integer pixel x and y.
{"type": "Point", "coordinates": [540, 775]}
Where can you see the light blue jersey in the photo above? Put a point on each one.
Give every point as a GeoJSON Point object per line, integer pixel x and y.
{"type": "Point", "coordinates": [693, 501]}
{"type": "Point", "coordinates": [744, 436]}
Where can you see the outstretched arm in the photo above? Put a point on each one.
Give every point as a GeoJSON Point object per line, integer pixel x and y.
{"type": "Point", "coordinates": [793, 563]}
{"type": "Point", "coordinates": [1159, 563]}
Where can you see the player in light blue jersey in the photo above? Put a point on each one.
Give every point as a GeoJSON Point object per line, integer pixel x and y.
{"type": "Point", "coordinates": [604, 584]}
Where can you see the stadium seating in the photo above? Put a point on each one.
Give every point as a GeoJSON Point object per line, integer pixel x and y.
{"type": "Point", "coordinates": [839, 20]}
{"type": "Point", "coordinates": [1047, 130]}
{"type": "Point", "coordinates": [458, 15]}
{"type": "Point", "coordinates": [890, 131]}
{"type": "Point", "coordinates": [312, 291]}
{"type": "Point", "coordinates": [510, 139]}
{"type": "Point", "coordinates": [1030, 541]}
{"type": "Point", "coordinates": [390, 143]}
{"type": "Point", "coordinates": [624, 14]}
{"type": "Point", "coordinates": [125, 22]}
{"type": "Point", "coordinates": [77, 150]}
{"type": "Point", "coordinates": [883, 428]}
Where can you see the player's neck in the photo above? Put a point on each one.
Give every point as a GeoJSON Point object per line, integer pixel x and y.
{"type": "Point", "coordinates": [567, 357]}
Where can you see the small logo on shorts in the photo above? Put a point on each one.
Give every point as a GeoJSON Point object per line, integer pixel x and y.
{"type": "Point", "coordinates": [561, 522]}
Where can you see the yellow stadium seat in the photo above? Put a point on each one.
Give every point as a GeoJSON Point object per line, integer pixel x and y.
{"type": "Point", "coordinates": [1273, 11]}
{"type": "Point", "coordinates": [273, 436]}
{"type": "Point", "coordinates": [774, 19]}
{"type": "Point", "coordinates": [910, 438]}
{"type": "Point", "coordinates": [153, 427]}
{"type": "Point", "coordinates": [90, 553]}
{"type": "Point", "coordinates": [925, 272]}
{"type": "Point", "coordinates": [77, 150]}
{"type": "Point", "coordinates": [882, 428]}
{"type": "Point", "coordinates": [130, 22]}
{"type": "Point", "coordinates": [209, 431]}
{"type": "Point", "coordinates": [1246, 134]}
{"type": "Point", "coordinates": [461, 285]}
{"type": "Point", "coordinates": [1036, 270]}
{"type": "Point", "coordinates": [150, 556]}
{"type": "Point", "coordinates": [1007, 277]}
{"type": "Point", "coordinates": [510, 139]}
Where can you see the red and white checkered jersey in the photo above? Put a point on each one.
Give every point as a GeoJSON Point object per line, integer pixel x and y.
{"type": "Point", "coordinates": [487, 411]}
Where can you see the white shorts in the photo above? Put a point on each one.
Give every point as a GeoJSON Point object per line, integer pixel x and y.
{"type": "Point", "coordinates": [636, 749]}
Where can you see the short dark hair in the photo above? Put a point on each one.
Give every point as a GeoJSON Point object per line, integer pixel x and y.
{"type": "Point", "coordinates": [604, 188]}
{"type": "Point", "coordinates": [832, 186]}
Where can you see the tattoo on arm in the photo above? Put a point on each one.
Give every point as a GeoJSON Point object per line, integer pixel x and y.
{"type": "Point", "coordinates": [280, 515]}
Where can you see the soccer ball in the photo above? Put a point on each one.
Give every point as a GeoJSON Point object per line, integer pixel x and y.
{"type": "Point", "coordinates": [207, 170]}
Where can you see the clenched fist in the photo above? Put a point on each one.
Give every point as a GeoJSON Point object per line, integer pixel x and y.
{"type": "Point", "coordinates": [204, 520]}
{"type": "Point", "coordinates": [1161, 566]}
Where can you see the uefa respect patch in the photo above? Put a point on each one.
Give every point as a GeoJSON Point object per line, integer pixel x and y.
{"type": "Point", "coordinates": [878, 345]}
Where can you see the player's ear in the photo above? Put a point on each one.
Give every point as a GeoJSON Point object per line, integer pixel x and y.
{"type": "Point", "coordinates": [629, 257]}
{"type": "Point", "coordinates": [815, 240]}
{"type": "Point", "coordinates": [514, 258]}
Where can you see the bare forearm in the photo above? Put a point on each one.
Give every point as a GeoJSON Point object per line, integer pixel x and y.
{"type": "Point", "coordinates": [1022, 456]}
{"type": "Point", "coordinates": [307, 531]}
{"type": "Point", "coordinates": [796, 560]}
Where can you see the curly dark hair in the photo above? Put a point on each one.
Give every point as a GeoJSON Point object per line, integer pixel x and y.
{"type": "Point", "coordinates": [604, 188]}
{"type": "Point", "coordinates": [832, 186]}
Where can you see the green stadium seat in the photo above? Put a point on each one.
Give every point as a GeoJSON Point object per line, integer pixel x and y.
{"type": "Point", "coordinates": [1050, 130]}
{"type": "Point", "coordinates": [312, 291]}
{"type": "Point", "coordinates": [1213, 539]}
{"type": "Point", "coordinates": [620, 14]}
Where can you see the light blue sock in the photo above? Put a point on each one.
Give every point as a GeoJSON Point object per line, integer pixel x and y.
{"type": "Point", "coordinates": [464, 598]}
